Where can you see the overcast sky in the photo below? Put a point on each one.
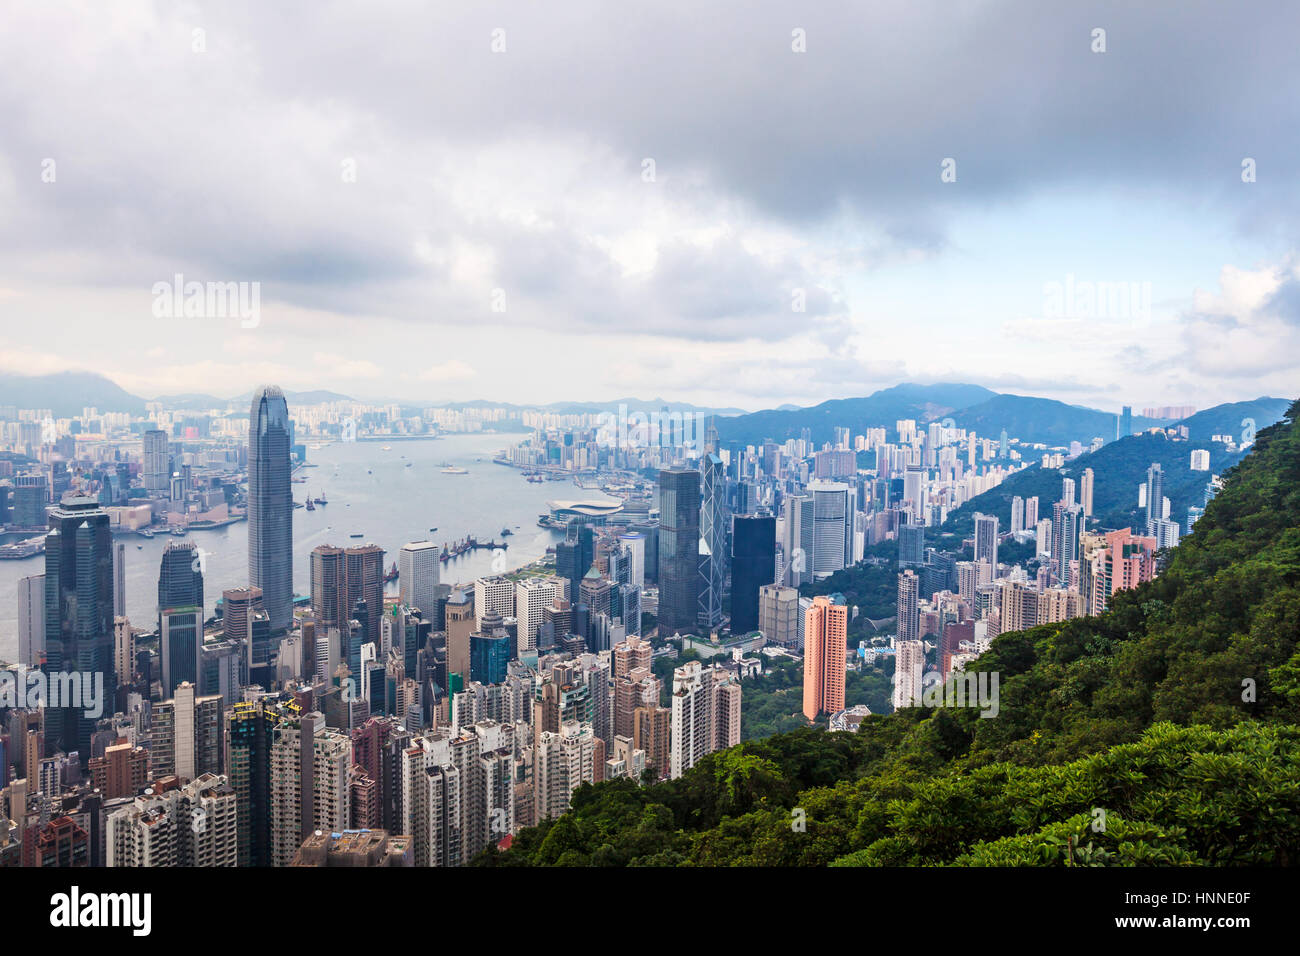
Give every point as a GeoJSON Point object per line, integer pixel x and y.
{"type": "Point", "coordinates": [430, 218]}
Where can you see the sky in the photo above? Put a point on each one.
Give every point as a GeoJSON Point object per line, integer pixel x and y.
{"type": "Point", "coordinates": [742, 203]}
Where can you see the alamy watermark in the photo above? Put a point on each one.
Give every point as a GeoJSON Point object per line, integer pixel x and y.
{"type": "Point", "coordinates": [1083, 299]}
{"type": "Point", "coordinates": [646, 429]}
{"type": "Point", "coordinates": [33, 689]}
{"type": "Point", "coordinates": [179, 299]}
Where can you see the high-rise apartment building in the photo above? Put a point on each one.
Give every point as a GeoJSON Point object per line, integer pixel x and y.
{"type": "Point", "coordinates": [826, 627]}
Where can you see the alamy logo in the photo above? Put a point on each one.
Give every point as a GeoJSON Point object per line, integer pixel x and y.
{"type": "Point", "coordinates": [33, 689]}
{"type": "Point", "coordinates": [75, 909]}
{"type": "Point", "coordinates": [179, 299]}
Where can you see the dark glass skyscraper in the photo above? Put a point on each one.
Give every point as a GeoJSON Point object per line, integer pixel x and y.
{"type": "Point", "coordinates": [753, 564]}
{"type": "Point", "coordinates": [78, 614]}
{"type": "Point", "coordinates": [180, 578]}
{"type": "Point", "coordinates": [679, 550]}
{"type": "Point", "coordinates": [270, 505]}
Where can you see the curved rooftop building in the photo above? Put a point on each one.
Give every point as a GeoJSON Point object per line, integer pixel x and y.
{"type": "Point", "coordinates": [270, 505]}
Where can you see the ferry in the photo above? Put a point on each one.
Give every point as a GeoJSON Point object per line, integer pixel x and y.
{"type": "Point", "coordinates": [178, 532]}
{"type": "Point", "coordinates": [453, 470]}
{"type": "Point", "coordinates": [146, 533]}
{"type": "Point", "coordinates": [357, 534]}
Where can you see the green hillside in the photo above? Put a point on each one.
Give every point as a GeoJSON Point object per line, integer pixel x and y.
{"type": "Point", "coordinates": [1162, 732]}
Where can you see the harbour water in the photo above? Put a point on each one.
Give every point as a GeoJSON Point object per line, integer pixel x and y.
{"type": "Point", "coordinates": [371, 491]}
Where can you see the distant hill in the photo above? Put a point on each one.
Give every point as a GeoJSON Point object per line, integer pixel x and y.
{"type": "Point", "coordinates": [921, 402]}
{"type": "Point", "coordinates": [1043, 420]}
{"type": "Point", "coordinates": [1118, 469]}
{"type": "Point", "coordinates": [67, 393]}
{"type": "Point", "coordinates": [1229, 419]}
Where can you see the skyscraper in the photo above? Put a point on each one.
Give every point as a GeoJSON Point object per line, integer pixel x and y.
{"type": "Point", "coordinates": [753, 564]}
{"type": "Point", "coordinates": [826, 627]}
{"type": "Point", "coordinates": [417, 570]}
{"type": "Point", "coordinates": [329, 586]}
{"type": "Point", "coordinates": [832, 527]}
{"type": "Point", "coordinates": [909, 626]}
{"type": "Point", "coordinates": [270, 505]}
{"type": "Point", "coordinates": [78, 612]}
{"type": "Point", "coordinates": [1066, 522]}
{"type": "Point", "coordinates": [679, 550]}
{"type": "Point", "coordinates": [180, 577]}
{"type": "Point", "coordinates": [986, 539]}
{"type": "Point", "coordinates": [797, 513]}
{"type": "Point", "coordinates": [156, 469]}
{"type": "Point", "coordinates": [713, 536]}
{"type": "Point", "coordinates": [1085, 491]}
{"type": "Point", "coordinates": [180, 615]}
{"type": "Point", "coordinates": [1155, 493]}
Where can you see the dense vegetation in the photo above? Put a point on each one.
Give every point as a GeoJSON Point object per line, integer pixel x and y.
{"type": "Point", "coordinates": [1162, 732]}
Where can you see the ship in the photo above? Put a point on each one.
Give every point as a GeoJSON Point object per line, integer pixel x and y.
{"type": "Point", "coordinates": [311, 505]}
{"type": "Point", "coordinates": [178, 532]}
{"type": "Point", "coordinates": [392, 573]}
{"type": "Point", "coordinates": [453, 470]}
{"type": "Point", "coordinates": [320, 500]}
{"type": "Point", "coordinates": [357, 534]}
{"type": "Point", "coordinates": [145, 532]}
{"type": "Point", "coordinates": [506, 531]}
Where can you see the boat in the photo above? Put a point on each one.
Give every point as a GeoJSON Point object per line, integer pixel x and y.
{"type": "Point", "coordinates": [392, 573]}
{"type": "Point", "coordinates": [320, 500]}
{"type": "Point", "coordinates": [357, 534]}
{"type": "Point", "coordinates": [408, 464]}
{"type": "Point", "coordinates": [387, 448]}
{"type": "Point", "coordinates": [178, 532]}
{"type": "Point", "coordinates": [311, 505]}
{"type": "Point", "coordinates": [146, 533]}
{"type": "Point", "coordinates": [139, 547]}
{"type": "Point", "coordinates": [453, 470]}
{"type": "Point", "coordinates": [434, 528]}
{"type": "Point", "coordinates": [506, 531]}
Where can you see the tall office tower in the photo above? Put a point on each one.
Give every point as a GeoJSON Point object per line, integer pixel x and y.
{"type": "Point", "coordinates": [911, 545]}
{"type": "Point", "coordinates": [119, 581]}
{"type": "Point", "coordinates": [309, 790]}
{"type": "Point", "coordinates": [123, 650]}
{"type": "Point", "coordinates": [629, 596]}
{"type": "Point", "coordinates": [635, 542]}
{"type": "Point", "coordinates": [691, 737]}
{"type": "Point", "coordinates": [156, 469]}
{"type": "Point", "coordinates": [778, 614]}
{"type": "Point", "coordinates": [1017, 514]}
{"type": "Point", "coordinates": [532, 597]}
{"type": "Point", "coordinates": [31, 619]}
{"type": "Point", "coordinates": [180, 646]}
{"type": "Point", "coordinates": [1017, 605]}
{"type": "Point", "coordinates": [78, 612]}
{"type": "Point", "coordinates": [1085, 491]}
{"type": "Point", "coordinates": [462, 621]}
{"type": "Point", "coordinates": [193, 825]}
{"type": "Point", "coordinates": [753, 565]}
{"type": "Point", "coordinates": [270, 505]}
{"type": "Point", "coordinates": [832, 528]}
{"type": "Point", "coordinates": [493, 595]}
{"type": "Point", "coordinates": [180, 578]}
{"type": "Point", "coordinates": [914, 493]}
{"type": "Point", "coordinates": [909, 669]}
{"type": "Point", "coordinates": [679, 551]}
{"type": "Point", "coordinates": [186, 734]}
{"type": "Point", "coordinates": [797, 518]}
{"type": "Point", "coordinates": [1155, 496]}
{"type": "Point", "coordinates": [909, 624]}
{"type": "Point", "coordinates": [1126, 422]}
{"type": "Point", "coordinates": [1067, 521]}
{"type": "Point", "coordinates": [826, 627]}
{"type": "Point", "coordinates": [1031, 513]}
{"type": "Point", "coordinates": [563, 761]}
{"type": "Point", "coordinates": [329, 586]}
{"type": "Point", "coordinates": [364, 570]}
{"type": "Point", "coordinates": [249, 731]}
{"type": "Point", "coordinates": [1067, 491]}
{"type": "Point", "coordinates": [986, 540]}
{"type": "Point", "coordinates": [417, 575]}
{"type": "Point", "coordinates": [713, 541]}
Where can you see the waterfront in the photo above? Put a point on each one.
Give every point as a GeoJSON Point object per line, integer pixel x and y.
{"type": "Point", "coordinates": [369, 490]}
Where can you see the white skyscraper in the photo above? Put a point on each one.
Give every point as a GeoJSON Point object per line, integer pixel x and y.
{"type": "Point", "coordinates": [417, 570]}
{"type": "Point", "coordinates": [532, 597]}
{"type": "Point", "coordinates": [832, 527]}
{"type": "Point", "coordinates": [31, 619]}
{"type": "Point", "coordinates": [494, 595]}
